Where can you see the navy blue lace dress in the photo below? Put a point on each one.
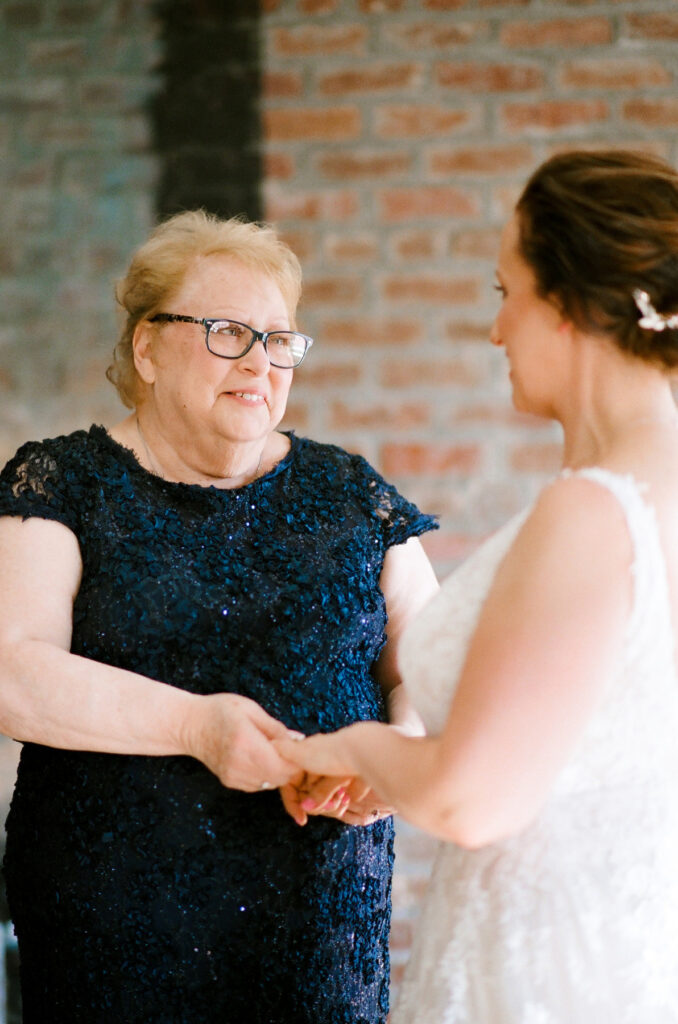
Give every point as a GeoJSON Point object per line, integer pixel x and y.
{"type": "Point", "coordinates": [141, 889]}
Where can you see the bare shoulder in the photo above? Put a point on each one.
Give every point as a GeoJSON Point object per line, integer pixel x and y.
{"type": "Point", "coordinates": [576, 504]}
{"type": "Point", "coordinates": [576, 526]}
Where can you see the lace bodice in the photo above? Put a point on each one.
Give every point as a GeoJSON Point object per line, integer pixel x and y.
{"type": "Point", "coordinates": [574, 921]}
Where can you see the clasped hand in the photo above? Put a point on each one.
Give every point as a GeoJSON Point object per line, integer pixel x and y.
{"type": "Point", "coordinates": [249, 750]}
{"type": "Point", "coordinates": [348, 799]}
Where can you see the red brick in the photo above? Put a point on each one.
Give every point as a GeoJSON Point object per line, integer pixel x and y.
{"type": "Point", "coordinates": [397, 971]}
{"type": "Point", "coordinates": [536, 458]}
{"type": "Point", "coordinates": [444, 5]}
{"type": "Point", "coordinates": [430, 373]}
{"type": "Point", "coordinates": [464, 330]}
{"type": "Point", "coordinates": [558, 32]}
{"type": "Point", "coordinates": [31, 173]}
{"type": "Point", "coordinates": [427, 201]}
{"type": "Point", "coordinates": [351, 248]}
{"type": "Point", "coordinates": [658, 147]}
{"type": "Point", "coordinates": [331, 290]}
{"type": "Point", "coordinates": [429, 35]}
{"type": "Point", "coordinates": [504, 199]}
{"type": "Point", "coordinates": [317, 6]}
{"type": "Point", "coordinates": [414, 245]}
{"type": "Point", "coordinates": [453, 5]}
{"type": "Point", "coordinates": [662, 27]}
{"type": "Point", "coordinates": [278, 165]}
{"type": "Point", "coordinates": [50, 54]}
{"type": "Point", "coordinates": [481, 159]}
{"type": "Point", "coordinates": [380, 6]}
{"type": "Point", "coordinates": [614, 74]}
{"type": "Point", "coordinates": [364, 164]}
{"type": "Point", "coordinates": [659, 113]}
{"type": "Point", "coordinates": [486, 412]}
{"type": "Point", "coordinates": [300, 242]}
{"type": "Point", "coordinates": [318, 40]}
{"type": "Point", "coordinates": [478, 243]}
{"type": "Point", "coordinates": [371, 331]}
{"type": "Point", "coordinates": [296, 414]}
{"type": "Point", "coordinates": [106, 93]}
{"type": "Point", "coordinates": [434, 288]}
{"type": "Point", "coordinates": [401, 934]}
{"type": "Point", "coordinates": [481, 76]}
{"type": "Point", "coordinates": [288, 205]}
{"type": "Point", "coordinates": [332, 123]}
{"type": "Point", "coordinates": [379, 416]}
{"type": "Point", "coordinates": [326, 375]}
{"type": "Point", "coordinates": [553, 115]}
{"type": "Point", "coordinates": [414, 120]}
{"type": "Point", "coordinates": [372, 78]}
{"type": "Point", "coordinates": [67, 131]}
{"type": "Point", "coordinates": [414, 459]}
{"type": "Point", "coordinates": [281, 84]}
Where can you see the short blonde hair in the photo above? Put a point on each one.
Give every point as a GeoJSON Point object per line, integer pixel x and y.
{"type": "Point", "coordinates": [159, 266]}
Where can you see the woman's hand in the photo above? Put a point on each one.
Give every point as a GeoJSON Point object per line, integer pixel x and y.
{"type": "Point", "coordinates": [349, 800]}
{"type": "Point", "coordinates": [232, 736]}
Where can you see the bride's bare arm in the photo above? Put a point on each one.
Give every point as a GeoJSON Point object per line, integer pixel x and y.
{"type": "Point", "coordinates": [546, 645]}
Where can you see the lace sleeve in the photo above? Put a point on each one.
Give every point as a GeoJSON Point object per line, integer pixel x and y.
{"type": "Point", "coordinates": [33, 483]}
{"type": "Point", "coordinates": [399, 519]}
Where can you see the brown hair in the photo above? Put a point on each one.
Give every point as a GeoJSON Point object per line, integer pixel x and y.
{"type": "Point", "coordinates": [595, 226]}
{"type": "Point", "coordinates": [158, 268]}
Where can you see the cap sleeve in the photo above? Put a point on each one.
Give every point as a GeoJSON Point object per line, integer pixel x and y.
{"type": "Point", "coordinates": [35, 483]}
{"type": "Point", "coordinates": [398, 518]}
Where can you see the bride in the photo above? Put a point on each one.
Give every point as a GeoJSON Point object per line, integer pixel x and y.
{"type": "Point", "coordinates": [544, 669]}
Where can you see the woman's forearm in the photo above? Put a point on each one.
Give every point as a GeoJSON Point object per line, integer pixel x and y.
{"type": "Point", "coordinates": [404, 770]}
{"type": "Point", "coordinates": [50, 696]}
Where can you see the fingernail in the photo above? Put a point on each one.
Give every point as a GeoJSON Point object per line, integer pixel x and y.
{"type": "Point", "coordinates": [308, 804]}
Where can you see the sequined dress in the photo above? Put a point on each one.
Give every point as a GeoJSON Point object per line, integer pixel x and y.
{"type": "Point", "coordinates": [575, 920]}
{"type": "Point", "coordinates": [142, 891]}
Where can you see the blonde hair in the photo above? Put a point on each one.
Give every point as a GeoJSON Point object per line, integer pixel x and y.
{"type": "Point", "coordinates": [159, 266]}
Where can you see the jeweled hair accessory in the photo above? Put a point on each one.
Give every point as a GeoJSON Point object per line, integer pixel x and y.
{"type": "Point", "coordinates": [651, 319]}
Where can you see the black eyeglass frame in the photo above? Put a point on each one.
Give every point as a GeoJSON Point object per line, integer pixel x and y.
{"type": "Point", "coordinates": [208, 324]}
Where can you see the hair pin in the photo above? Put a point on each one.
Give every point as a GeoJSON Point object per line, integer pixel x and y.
{"type": "Point", "coordinates": [651, 319]}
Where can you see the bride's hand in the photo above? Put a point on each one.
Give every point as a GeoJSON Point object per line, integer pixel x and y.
{"type": "Point", "coordinates": [325, 754]}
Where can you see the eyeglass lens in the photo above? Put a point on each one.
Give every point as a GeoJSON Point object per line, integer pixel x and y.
{"type": "Point", "coordinates": [284, 348]}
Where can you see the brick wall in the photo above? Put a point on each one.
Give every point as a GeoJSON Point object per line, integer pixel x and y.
{"type": "Point", "coordinates": [395, 138]}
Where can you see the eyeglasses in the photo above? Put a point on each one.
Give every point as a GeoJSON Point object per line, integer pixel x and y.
{"type": "Point", "coordinates": [229, 339]}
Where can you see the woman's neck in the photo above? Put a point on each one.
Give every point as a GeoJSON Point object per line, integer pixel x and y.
{"type": "Point", "coordinates": [227, 465]}
{"type": "Point", "coordinates": [616, 419]}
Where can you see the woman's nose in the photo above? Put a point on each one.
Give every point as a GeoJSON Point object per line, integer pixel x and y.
{"type": "Point", "coordinates": [495, 337]}
{"type": "Point", "coordinates": [256, 360]}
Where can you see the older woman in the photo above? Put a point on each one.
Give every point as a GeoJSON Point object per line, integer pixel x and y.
{"type": "Point", "coordinates": [175, 594]}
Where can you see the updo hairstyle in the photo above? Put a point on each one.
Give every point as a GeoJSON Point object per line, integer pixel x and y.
{"type": "Point", "coordinates": [596, 226]}
{"type": "Point", "coordinates": [159, 266]}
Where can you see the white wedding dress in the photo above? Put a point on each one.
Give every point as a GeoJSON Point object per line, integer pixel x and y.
{"type": "Point", "coordinates": [575, 920]}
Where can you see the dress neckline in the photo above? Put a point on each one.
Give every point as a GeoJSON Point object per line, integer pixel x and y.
{"type": "Point", "coordinates": [128, 457]}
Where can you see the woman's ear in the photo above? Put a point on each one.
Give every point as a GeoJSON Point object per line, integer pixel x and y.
{"type": "Point", "coordinates": [142, 347]}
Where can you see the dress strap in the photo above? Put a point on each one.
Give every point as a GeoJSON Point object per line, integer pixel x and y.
{"type": "Point", "coordinates": [651, 596]}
